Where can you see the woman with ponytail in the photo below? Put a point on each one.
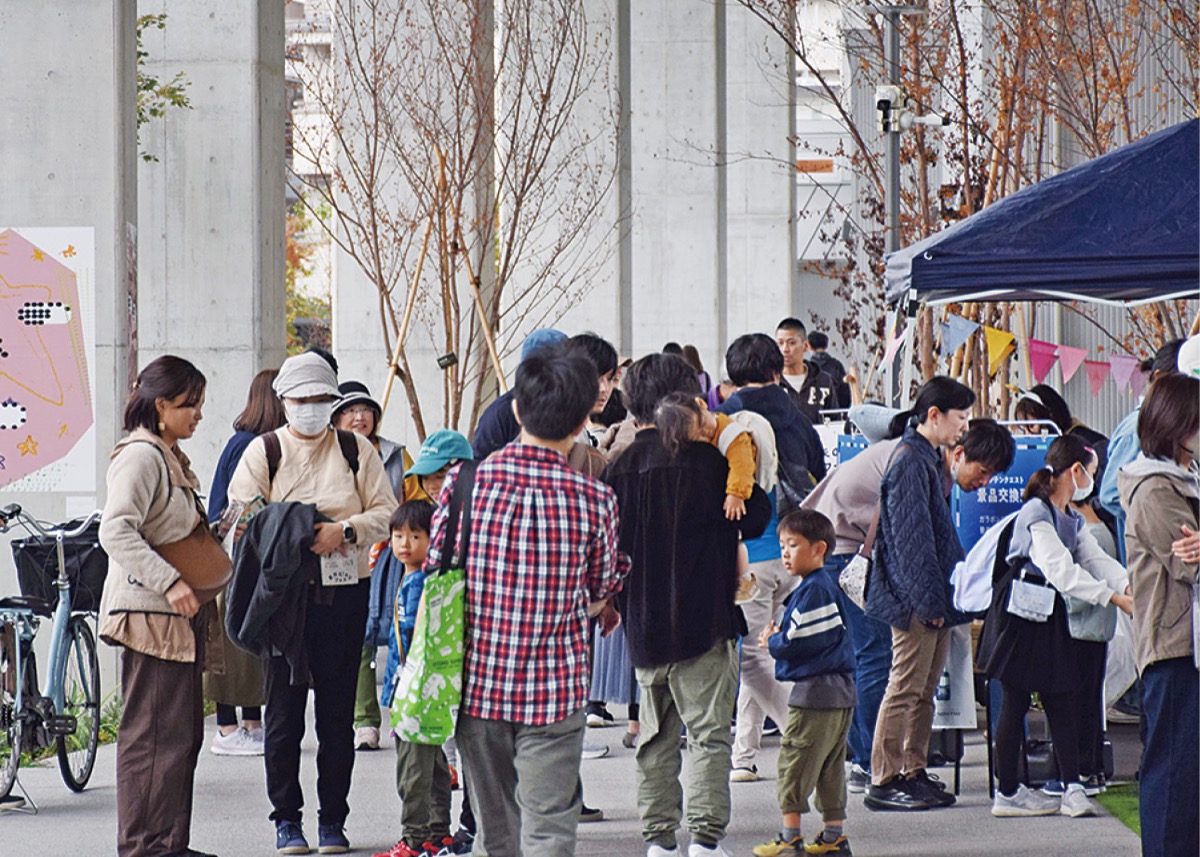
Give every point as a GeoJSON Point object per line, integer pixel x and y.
{"type": "Point", "coordinates": [916, 548]}
{"type": "Point", "coordinates": [1050, 540]}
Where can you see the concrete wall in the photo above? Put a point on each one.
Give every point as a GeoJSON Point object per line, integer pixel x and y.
{"type": "Point", "coordinates": [210, 245]}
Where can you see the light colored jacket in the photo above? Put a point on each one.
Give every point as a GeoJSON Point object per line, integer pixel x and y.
{"type": "Point", "coordinates": [150, 502]}
{"type": "Point", "coordinates": [1159, 498]}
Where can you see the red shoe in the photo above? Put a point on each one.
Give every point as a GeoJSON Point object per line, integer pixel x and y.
{"type": "Point", "coordinates": [453, 777]}
{"type": "Point", "coordinates": [401, 849]}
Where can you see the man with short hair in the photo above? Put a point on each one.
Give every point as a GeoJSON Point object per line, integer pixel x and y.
{"type": "Point", "coordinates": [811, 389]}
{"type": "Point", "coordinates": [542, 556]}
{"type": "Point", "coordinates": [849, 496]}
{"type": "Point", "coordinates": [497, 425]}
{"type": "Point", "coordinates": [818, 344]}
{"type": "Point", "coordinates": [681, 621]}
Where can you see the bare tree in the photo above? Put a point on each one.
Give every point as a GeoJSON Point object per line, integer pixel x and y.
{"type": "Point", "coordinates": [467, 151]}
{"type": "Point", "coordinates": [1024, 81]}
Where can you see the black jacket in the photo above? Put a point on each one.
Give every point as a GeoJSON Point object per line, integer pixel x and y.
{"type": "Point", "coordinates": [265, 605]}
{"type": "Point", "coordinates": [817, 393]}
{"type": "Point", "coordinates": [833, 367]}
{"type": "Point", "coordinates": [801, 456]}
{"type": "Point", "coordinates": [678, 599]}
{"type": "Point", "coordinates": [497, 427]}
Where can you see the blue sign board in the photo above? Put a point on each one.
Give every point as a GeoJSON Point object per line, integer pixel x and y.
{"type": "Point", "coordinates": [977, 511]}
{"type": "Point", "coordinates": [850, 445]}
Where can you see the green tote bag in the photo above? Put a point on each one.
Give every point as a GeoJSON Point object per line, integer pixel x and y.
{"type": "Point", "coordinates": [429, 683]}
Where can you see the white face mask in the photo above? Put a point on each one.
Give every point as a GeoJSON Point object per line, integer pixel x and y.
{"type": "Point", "coordinates": [1082, 491]}
{"type": "Point", "coordinates": [309, 418]}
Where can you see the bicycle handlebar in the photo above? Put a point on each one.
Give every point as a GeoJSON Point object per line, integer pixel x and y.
{"type": "Point", "coordinates": [14, 513]}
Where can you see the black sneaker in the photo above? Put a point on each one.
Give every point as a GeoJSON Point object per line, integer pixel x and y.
{"type": "Point", "coordinates": [896, 794]}
{"type": "Point", "coordinates": [587, 813]}
{"type": "Point", "coordinates": [598, 715]}
{"type": "Point", "coordinates": [931, 787]}
{"type": "Point", "coordinates": [858, 781]}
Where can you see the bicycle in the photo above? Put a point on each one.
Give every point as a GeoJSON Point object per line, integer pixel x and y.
{"type": "Point", "coordinates": [66, 712]}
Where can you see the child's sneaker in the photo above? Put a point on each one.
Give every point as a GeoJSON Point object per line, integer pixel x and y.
{"type": "Point", "coordinates": [400, 849]}
{"type": "Point", "coordinates": [453, 777]}
{"type": "Point", "coordinates": [780, 847]}
{"type": "Point", "coordinates": [820, 845]}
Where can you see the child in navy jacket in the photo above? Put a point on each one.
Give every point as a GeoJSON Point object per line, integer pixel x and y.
{"type": "Point", "coordinates": [813, 650]}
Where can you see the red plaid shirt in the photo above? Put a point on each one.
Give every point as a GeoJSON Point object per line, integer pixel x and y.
{"type": "Point", "coordinates": [543, 546]}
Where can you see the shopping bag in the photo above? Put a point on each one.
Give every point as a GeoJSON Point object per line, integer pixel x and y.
{"type": "Point", "coordinates": [429, 683]}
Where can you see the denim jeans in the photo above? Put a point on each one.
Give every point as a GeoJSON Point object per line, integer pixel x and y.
{"type": "Point", "coordinates": [1169, 779]}
{"type": "Point", "coordinates": [872, 641]}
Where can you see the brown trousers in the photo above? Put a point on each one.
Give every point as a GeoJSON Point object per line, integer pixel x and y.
{"type": "Point", "coordinates": [906, 714]}
{"type": "Point", "coordinates": [161, 732]}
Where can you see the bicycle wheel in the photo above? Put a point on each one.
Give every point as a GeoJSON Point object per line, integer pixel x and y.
{"type": "Point", "coordinates": [10, 726]}
{"type": "Point", "coordinates": [81, 700]}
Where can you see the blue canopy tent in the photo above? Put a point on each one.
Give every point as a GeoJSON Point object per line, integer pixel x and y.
{"type": "Point", "coordinates": [1123, 228]}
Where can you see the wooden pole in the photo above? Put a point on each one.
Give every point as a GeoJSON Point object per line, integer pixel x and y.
{"type": "Point", "coordinates": [410, 300]}
{"type": "Point", "coordinates": [484, 325]}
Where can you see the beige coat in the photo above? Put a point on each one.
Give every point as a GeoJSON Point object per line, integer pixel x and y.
{"type": "Point", "coordinates": [1164, 500]}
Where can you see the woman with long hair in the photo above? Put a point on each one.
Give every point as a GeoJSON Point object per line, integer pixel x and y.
{"type": "Point", "coordinates": [150, 610]}
{"type": "Point", "coordinates": [241, 684]}
{"type": "Point", "coordinates": [1051, 542]}
{"type": "Point", "coordinates": [916, 548]}
{"type": "Point", "coordinates": [1159, 491]}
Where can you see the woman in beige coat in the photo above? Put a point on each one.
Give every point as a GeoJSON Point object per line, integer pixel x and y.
{"type": "Point", "coordinates": [153, 613]}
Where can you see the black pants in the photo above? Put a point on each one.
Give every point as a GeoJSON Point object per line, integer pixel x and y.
{"type": "Point", "coordinates": [227, 714]}
{"type": "Point", "coordinates": [333, 637]}
{"type": "Point", "coordinates": [1063, 715]}
{"type": "Point", "coordinates": [1090, 699]}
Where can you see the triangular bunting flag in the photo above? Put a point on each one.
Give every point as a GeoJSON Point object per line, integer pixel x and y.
{"type": "Point", "coordinates": [955, 331]}
{"type": "Point", "coordinates": [1042, 356]}
{"type": "Point", "coordinates": [1123, 367]}
{"type": "Point", "coordinates": [1097, 372]}
{"type": "Point", "coordinates": [1137, 382]}
{"type": "Point", "coordinates": [893, 347]}
{"type": "Point", "coordinates": [999, 345]}
{"type": "Point", "coordinates": [1070, 359]}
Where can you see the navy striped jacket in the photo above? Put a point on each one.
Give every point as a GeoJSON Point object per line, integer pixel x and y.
{"type": "Point", "coordinates": [813, 639]}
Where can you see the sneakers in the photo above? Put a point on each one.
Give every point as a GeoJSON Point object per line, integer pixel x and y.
{"type": "Point", "coordinates": [780, 847]}
{"type": "Point", "coordinates": [931, 787]}
{"type": "Point", "coordinates": [897, 794]}
{"type": "Point", "coordinates": [594, 751]}
{"type": "Point", "coordinates": [238, 743]}
{"type": "Point", "coordinates": [1094, 785]}
{"type": "Point", "coordinates": [659, 851]}
{"type": "Point", "coordinates": [1054, 788]}
{"type": "Point", "coordinates": [744, 775]}
{"type": "Point", "coordinates": [840, 845]}
{"type": "Point", "coordinates": [1024, 803]}
{"type": "Point", "coordinates": [590, 813]}
{"type": "Point", "coordinates": [698, 850]}
{"type": "Point", "coordinates": [331, 839]}
{"type": "Point", "coordinates": [453, 777]}
{"type": "Point", "coordinates": [1075, 802]}
{"type": "Point", "coordinates": [401, 849]}
{"type": "Point", "coordinates": [366, 738]}
{"type": "Point", "coordinates": [598, 716]}
{"type": "Point", "coordinates": [464, 841]}
{"type": "Point", "coordinates": [858, 780]}
{"type": "Point", "coordinates": [289, 838]}
{"type": "Point", "coordinates": [770, 727]}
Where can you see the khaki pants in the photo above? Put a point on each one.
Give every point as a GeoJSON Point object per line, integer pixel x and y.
{"type": "Point", "coordinates": [698, 694]}
{"type": "Point", "coordinates": [760, 694]}
{"type": "Point", "coordinates": [906, 714]}
{"type": "Point", "coordinates": [812, 755]}
{"type": "Point", "coordinates": [423, 783]}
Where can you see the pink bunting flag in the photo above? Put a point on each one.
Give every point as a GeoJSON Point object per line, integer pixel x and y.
{"type": "Point", "coordinates": [1042, 357]}
{"type": "Point", "coordinates": [1137, 382]}
{"type": "Point", "coordinates": [1097, 372]}
{"type": "Point", "coordinates": [1070, 359]}
{"type": "Point", "coordinates": [893, 347]}
{"type": "Point", "coordinates": [1123, 367]}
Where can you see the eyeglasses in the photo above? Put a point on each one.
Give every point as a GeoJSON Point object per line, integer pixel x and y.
{"type": "Point", "coordinates": [359, 411]}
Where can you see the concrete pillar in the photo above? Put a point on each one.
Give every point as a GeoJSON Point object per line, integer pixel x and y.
{"type": "Point", "coordinates": [67, 160]}
{"type": "Point", "coordinates": [211, 240]}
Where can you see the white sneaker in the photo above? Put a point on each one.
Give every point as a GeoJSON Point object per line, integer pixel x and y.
{"type": "Point", "coordinates": [744, 775]}
{"type": "Point", "coordinates": [594, 751]}
{"type": "Point", "coordinates": [1075, 802]}
{"type": "Point", "coordinates": [659, 851]}
{"type": "Point", "coordinates": [237, 743]}
{"type": "Point", "coordinates": [1024, 803]}
{"type": "Point", "coordinates": [698, 850]}
{"type": "Point", "coordinates": [366, 738]}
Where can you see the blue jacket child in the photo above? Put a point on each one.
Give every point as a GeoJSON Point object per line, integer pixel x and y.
{"type": "Point", "coordinates": [813, 639]}
{"type": "Point", "coordinates": [408, 598]}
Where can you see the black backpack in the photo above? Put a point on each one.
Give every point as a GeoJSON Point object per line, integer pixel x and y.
{"type": "Point", "coordinates": [346, 441]}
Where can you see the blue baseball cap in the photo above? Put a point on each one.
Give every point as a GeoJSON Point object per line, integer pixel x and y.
{"type": "Point", "coordinates": [439, 449]}
{"type": "Point", "coordinates": [539, 339]}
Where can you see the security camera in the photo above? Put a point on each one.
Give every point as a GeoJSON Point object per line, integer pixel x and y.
{"type": "Point", "coordinates": [889, 101]}
{"type": "Point", "coordinates": [908, 119]}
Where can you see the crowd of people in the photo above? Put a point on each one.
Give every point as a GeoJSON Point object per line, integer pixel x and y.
{"type": "Point", "coordinates": [642, 533]}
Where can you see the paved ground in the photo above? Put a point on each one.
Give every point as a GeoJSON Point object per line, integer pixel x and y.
{"type": "Point", "coordinates": [231, 812]}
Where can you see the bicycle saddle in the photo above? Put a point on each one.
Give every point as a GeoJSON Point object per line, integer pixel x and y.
{"type": "Point", "coordinates": [40, 606]}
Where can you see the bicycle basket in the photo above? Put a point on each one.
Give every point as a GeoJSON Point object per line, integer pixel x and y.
{"type": "Point", "coordinates": [87, 565]}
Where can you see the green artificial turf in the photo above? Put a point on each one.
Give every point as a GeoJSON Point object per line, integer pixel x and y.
{"type": "Point", "coordinates": [1122, 802]}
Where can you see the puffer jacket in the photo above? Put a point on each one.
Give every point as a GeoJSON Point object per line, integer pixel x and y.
{"type": "Point", "coordinates": [1159, 497]}
{"type": "Point", "coordinates": [916, 547]}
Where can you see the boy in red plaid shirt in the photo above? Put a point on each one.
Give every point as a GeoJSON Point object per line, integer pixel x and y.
{"type": "Point", "coordinates": [542, 557]}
